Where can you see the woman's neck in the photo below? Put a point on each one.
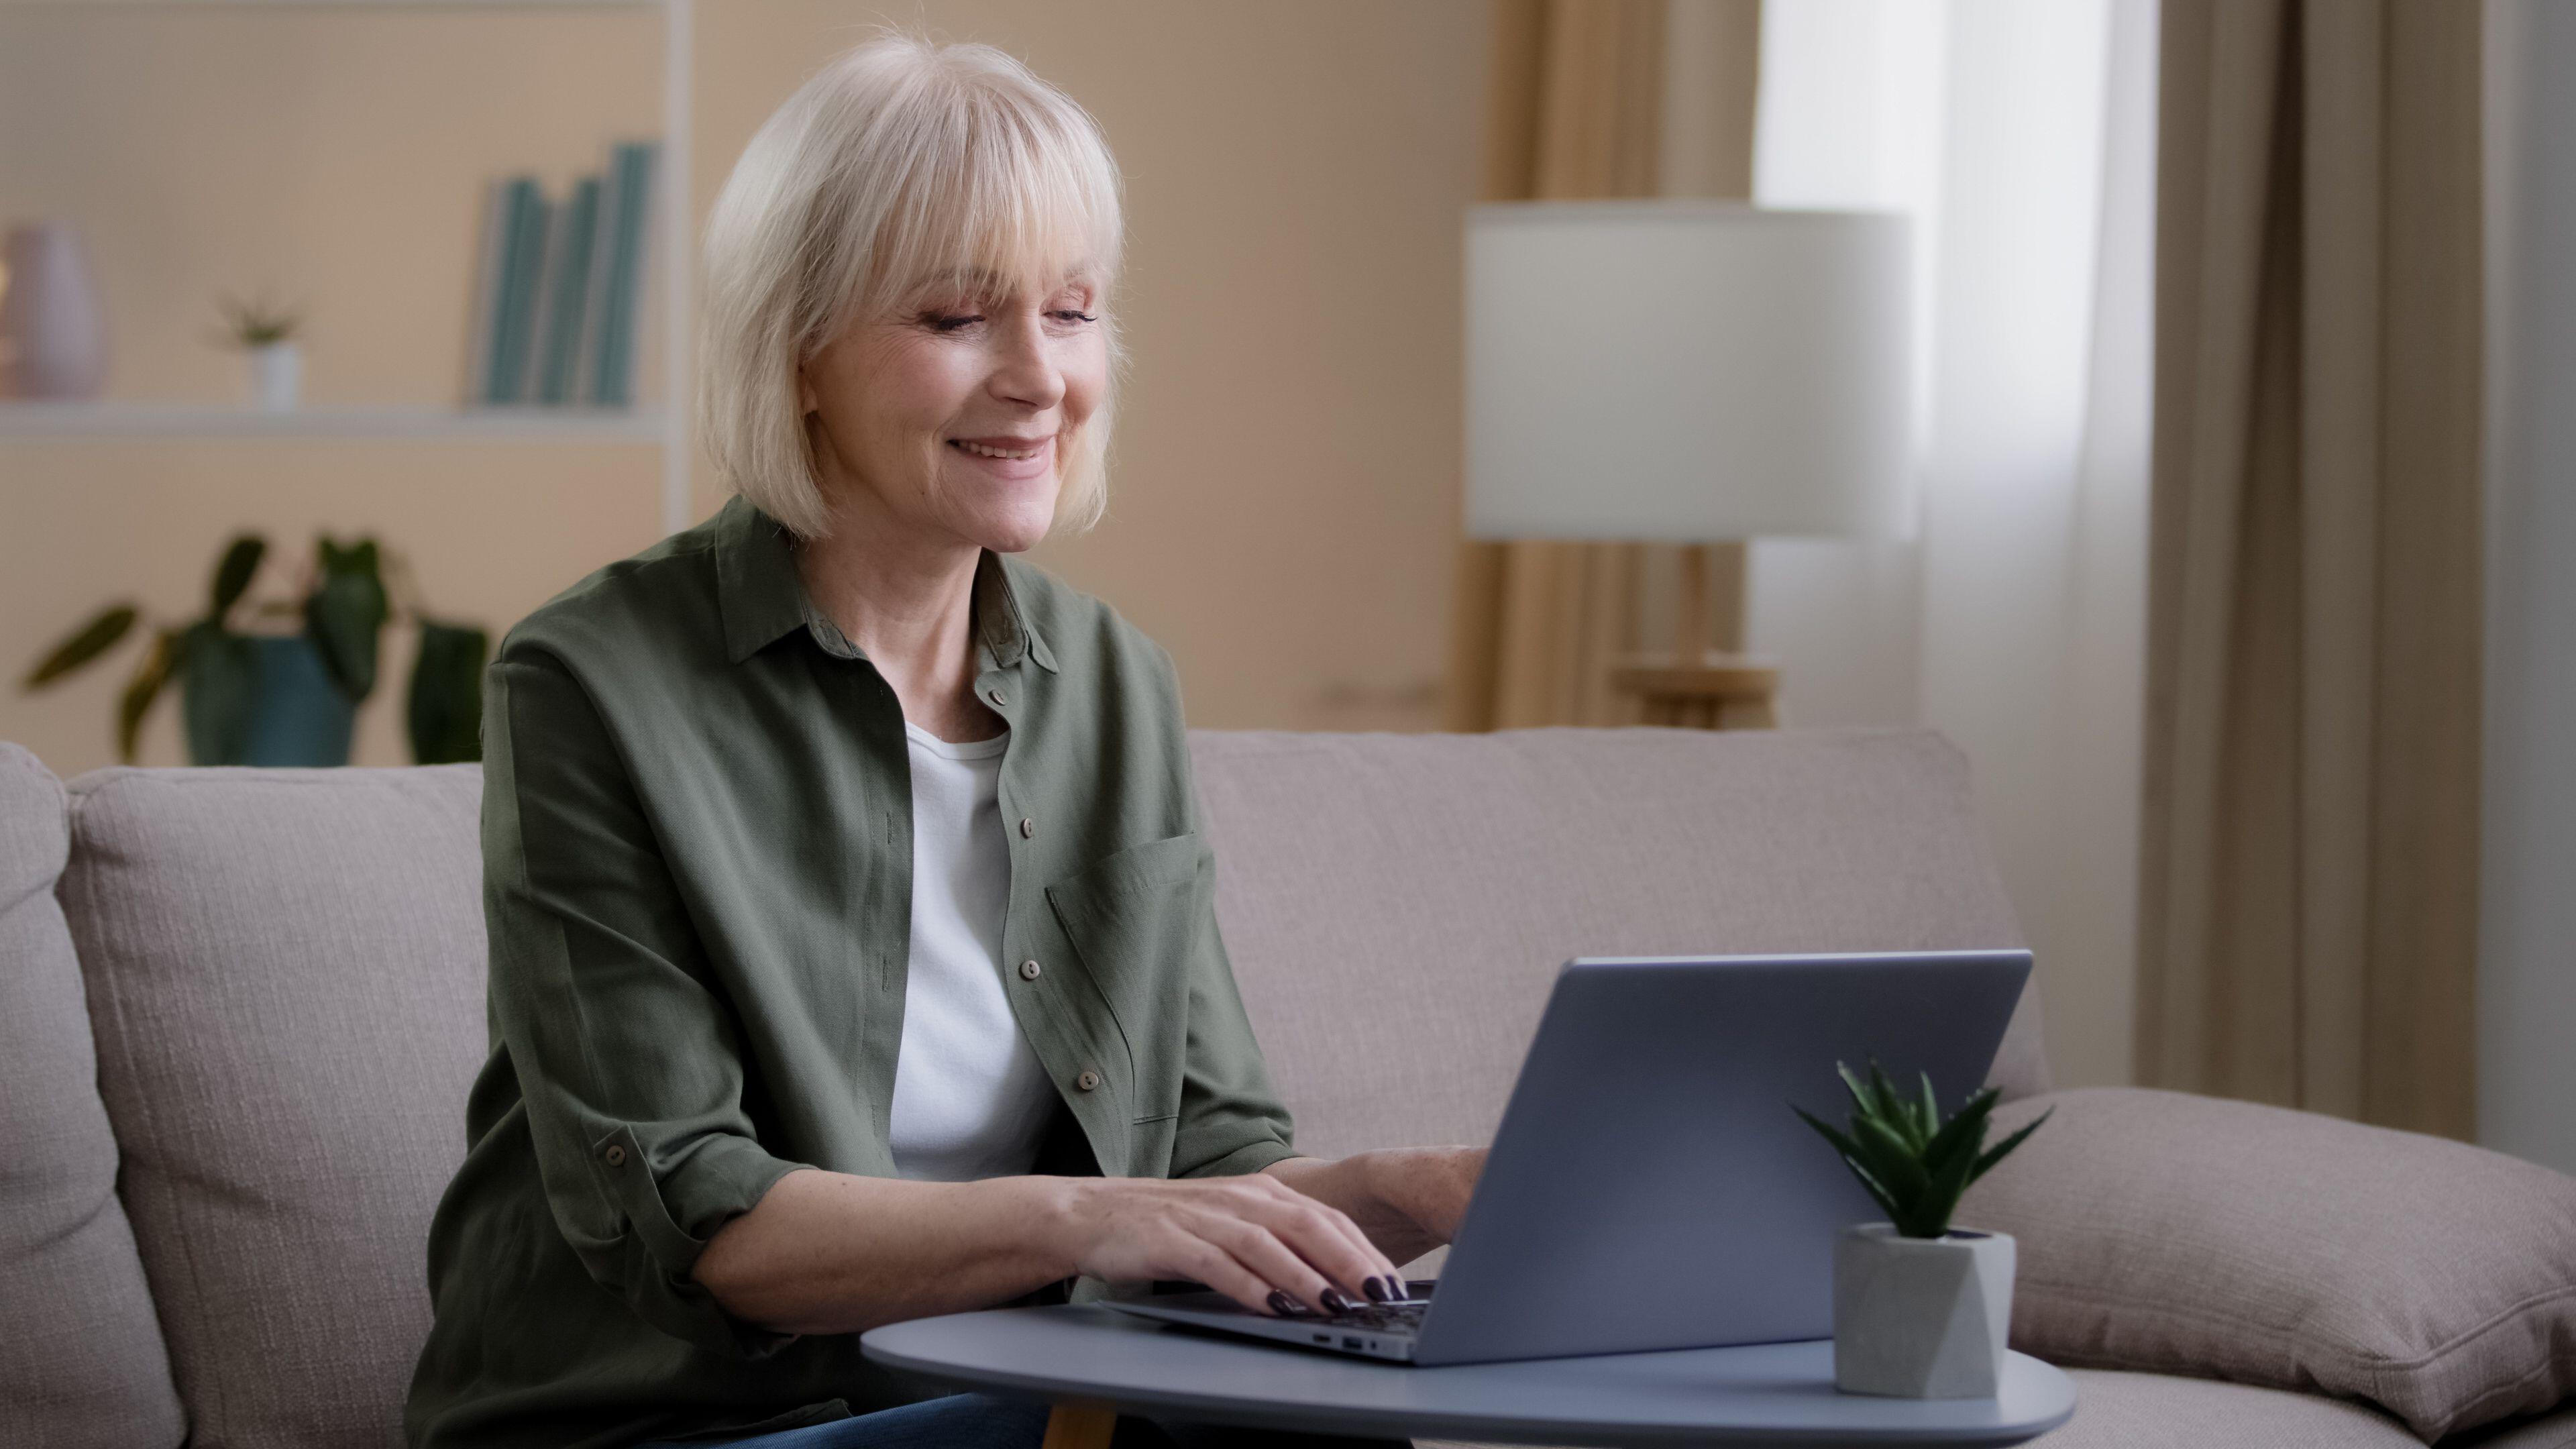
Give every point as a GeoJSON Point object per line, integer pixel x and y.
{"type": "Point", "coordinates": [908, 604]}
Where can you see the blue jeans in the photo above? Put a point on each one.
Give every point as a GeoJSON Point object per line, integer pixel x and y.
{"type": "Point", "coordinates": [989, 1421]}
{"type": "Point", "coordinates": [959, 1421]}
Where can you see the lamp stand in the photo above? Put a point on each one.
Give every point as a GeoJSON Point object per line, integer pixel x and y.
{"type": "Point", "coordinates": [1706, 683]}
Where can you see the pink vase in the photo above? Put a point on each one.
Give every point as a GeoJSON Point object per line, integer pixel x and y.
{"type": "Point", "coordinates": [53, 330]}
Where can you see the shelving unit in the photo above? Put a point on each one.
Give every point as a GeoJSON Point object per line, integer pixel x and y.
{"type": "Point", "coordinates": [666, 426]}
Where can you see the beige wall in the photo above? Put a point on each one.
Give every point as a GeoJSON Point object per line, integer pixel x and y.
{"type": "Point", "coordinates": [1287, 469]}
{"type": "Point", "coordinates": [1287, 463]}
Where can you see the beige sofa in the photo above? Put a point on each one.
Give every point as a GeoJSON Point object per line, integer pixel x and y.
{"type": "Point", "coordinates": [240, 1009]}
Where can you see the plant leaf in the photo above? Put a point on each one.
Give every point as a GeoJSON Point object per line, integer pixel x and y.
{"type": "Point", "coordinates": [1962, 1134]}
{"type": "Point", "coordinates": [445, 708]}
{"type": "Point", "coordinates": [233, 574]}
{"type": "Point", "coordinates": [1889, 1157]}
{"type": "Point", "coordinates": [86, 643]}
{"type": "Point", "coordinates": [1997, 1152]}
{"type": "Point", "coordinates": [1863, 1104]}
{"type": "Point", "coordinates": [1891, 1107]}
{"type": "Point", "coordinates": [141, 690]}
{"type": "Point", "coordinates": [1941, 1195]}
{"type": "Point", "coordinates": [1877, 1191]}
{"type": "Point", "coordinates": [217, 693]}
{"type": "Point", "coordinates": [346, 615]}
{"type": "Point", "coordinates": [1849, 1149]}
{"type": "Point", "coordinates": [1852, 1158]}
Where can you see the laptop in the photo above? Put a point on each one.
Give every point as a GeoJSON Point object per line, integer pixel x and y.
{"type": "Point", "coordinates": [1649, 1187]}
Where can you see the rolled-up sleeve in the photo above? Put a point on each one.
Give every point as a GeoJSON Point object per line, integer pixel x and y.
{"type": "Point", "coordinates": [626, 1053]}
{"type": "Point", "coordinates": [1231, 1119]}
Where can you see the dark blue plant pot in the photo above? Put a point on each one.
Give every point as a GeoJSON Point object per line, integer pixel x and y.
{"type": "Point", "coordinates": [298, 717]}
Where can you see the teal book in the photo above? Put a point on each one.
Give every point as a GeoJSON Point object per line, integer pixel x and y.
{"type": "Point", "coordinates": [491, 252]}
{"type": "Point", "coordinates": [626, 212]}
{"type": "Point", "coordinates": [567, 292]}
{"type": "Point", "coordinates": [514, 323]}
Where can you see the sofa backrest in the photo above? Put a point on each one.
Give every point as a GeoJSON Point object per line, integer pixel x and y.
{"type": "Point", "coordinates": [285, 972]}
{"type": "Point", "coordinates": [81, 1358]}
{"type": "Point", "coordinates": [1397, 906]}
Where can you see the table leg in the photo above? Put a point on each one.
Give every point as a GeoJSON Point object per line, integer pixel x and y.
{"type": "Point", "coordinates": [1081, 1426]}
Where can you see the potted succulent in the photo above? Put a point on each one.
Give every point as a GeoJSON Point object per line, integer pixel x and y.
{"type": "Point", "coordinates": [253, 697]}
{"type": "Point", "coordinates": [266, 334]}
{"type": "Point", "coordinates": [1921, 1309]}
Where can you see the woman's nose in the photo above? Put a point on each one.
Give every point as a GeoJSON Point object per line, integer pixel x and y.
{"type": "Point", "coordinates": [1026, 371]}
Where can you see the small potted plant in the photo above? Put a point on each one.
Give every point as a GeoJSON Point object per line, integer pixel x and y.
{"type": "Point", "coordinates": [266, 333]}
{"type": "Point", "coordinates": [261, 696]}
{"type": "Point", "coordinates": [1921, 1309]}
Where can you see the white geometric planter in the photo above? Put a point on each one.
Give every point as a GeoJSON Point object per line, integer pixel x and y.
{"type": "Point", "coordinates": [1921, 1318]}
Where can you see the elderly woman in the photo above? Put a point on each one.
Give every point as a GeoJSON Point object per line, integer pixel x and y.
{"type": "Point", "coordinates": [853, 954]}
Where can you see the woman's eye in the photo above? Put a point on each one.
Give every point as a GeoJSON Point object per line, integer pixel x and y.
{"type": "Point", "coordinates": [1073, 316]}
{"type": "Point", "coordinates": [950, 322]}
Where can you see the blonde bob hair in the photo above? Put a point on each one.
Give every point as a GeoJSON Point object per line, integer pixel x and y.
{"type": "Point", "coordinates": [901, 162]}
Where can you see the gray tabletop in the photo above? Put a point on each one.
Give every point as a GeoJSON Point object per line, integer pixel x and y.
{"type": "Point", "coordinates": [1780, 1393]}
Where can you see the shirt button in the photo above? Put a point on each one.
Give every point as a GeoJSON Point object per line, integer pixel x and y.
{"type": "Point", "coordinates": [996, 696]}
{"type": "Point", "coordinates": [615, 1155]}
{"type": "Point", "coordinates": [1029, 970]}
{"type": "Point", "coordinates": [1028, 828]}
{"type": "Point", "coordinates": [1088, 1081]}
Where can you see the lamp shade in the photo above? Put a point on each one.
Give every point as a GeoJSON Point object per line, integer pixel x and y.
{"type": "Point", "coordinates": [1685, 371]}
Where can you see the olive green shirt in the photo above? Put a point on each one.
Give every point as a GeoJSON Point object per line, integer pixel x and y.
{"type": "Point", "coordinates": [697, 860]}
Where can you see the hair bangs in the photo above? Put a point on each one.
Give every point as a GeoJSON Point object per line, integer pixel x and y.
{"type": "Point", "coordinates": [997, 194]}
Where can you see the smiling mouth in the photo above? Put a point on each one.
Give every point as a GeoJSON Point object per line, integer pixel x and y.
{"type": "Point", "coordinates": [987, 450]}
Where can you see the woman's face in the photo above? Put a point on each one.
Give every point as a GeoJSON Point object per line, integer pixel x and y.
{"type": "Point", "coordinates": [952, 418]}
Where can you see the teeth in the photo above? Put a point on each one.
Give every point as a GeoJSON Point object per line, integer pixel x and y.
{"type": "Point", "coordinates": [984, 452]}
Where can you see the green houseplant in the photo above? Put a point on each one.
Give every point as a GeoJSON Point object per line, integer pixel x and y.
{"type": "Point", "coordinates": [1921, 1308]}
{"type": "Point", "coordinates": [264, 698]}
{"type": "Point", "coordinates": [1914, 1165]}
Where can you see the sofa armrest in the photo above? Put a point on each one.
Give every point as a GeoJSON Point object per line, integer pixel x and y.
{"type": "Point", "coordinates": [2183, 1234]}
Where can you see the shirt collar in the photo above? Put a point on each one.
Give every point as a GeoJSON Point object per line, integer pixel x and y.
{"type": "Point", "coordinates": [763, 596]}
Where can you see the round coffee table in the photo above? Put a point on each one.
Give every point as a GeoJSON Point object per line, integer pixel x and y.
{"type": "Point", "coordinates": [1093, 1362]}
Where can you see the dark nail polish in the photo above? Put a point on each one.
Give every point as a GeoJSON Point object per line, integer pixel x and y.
{"type": "Point", "coordinates": [1334, 1302]}
{"type": "Point", "coordinates": [1283, 1305]}
{"type": "Point", "coordinates": [1376, 1289]}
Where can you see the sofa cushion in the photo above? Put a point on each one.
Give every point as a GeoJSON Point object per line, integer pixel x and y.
{"type": "Point", "coordinates": [81, 1360]}
{"type": "Point", "coordinates": [2158, 1411]}
{"type": "Point", "coordinates": [285, 972]}
{"type": "Point", "coordinates": [1396, 906]}
{"type": "Point", "coordinates": [2191, 1235]}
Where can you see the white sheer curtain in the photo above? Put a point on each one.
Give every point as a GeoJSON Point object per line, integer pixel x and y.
{"type": "Point", "coordinates": [2019, 135]}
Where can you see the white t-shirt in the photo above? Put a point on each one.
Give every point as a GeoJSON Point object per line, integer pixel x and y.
{"type": "Point", "coordinates": [970, 1099]}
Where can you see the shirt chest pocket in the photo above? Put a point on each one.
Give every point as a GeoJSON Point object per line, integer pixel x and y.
{"type": "Point", "coordinates": [1137, 919]}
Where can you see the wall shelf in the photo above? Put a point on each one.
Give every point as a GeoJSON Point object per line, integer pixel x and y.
{"type": "Point", "coordinates": [113, 5]}
{"type": "Point", "coordinates": [127, 420]}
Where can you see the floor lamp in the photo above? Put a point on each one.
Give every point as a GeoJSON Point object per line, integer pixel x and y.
{"type": "Point", "coordinates": [1691, 372]}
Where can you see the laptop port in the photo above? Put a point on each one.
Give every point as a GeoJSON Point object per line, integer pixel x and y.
{"type": "Point", "coordinates": [1349, 1342]}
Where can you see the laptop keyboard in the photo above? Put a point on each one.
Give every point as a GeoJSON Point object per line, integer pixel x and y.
{"type": "Point", "coordinates": [1404, 1317]}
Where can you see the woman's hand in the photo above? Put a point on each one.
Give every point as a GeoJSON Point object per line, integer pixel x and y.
{"type": "Point", "coordinates": [1253, 1238]}
{"type": "Point", "coordinates": [1408, 1200]}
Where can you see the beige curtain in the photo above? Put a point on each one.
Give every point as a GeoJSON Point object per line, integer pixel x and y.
{"type": "Point", "coordinates": [1593, 98]}
{"type": "Point", "coordinates": [2309, 878]}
